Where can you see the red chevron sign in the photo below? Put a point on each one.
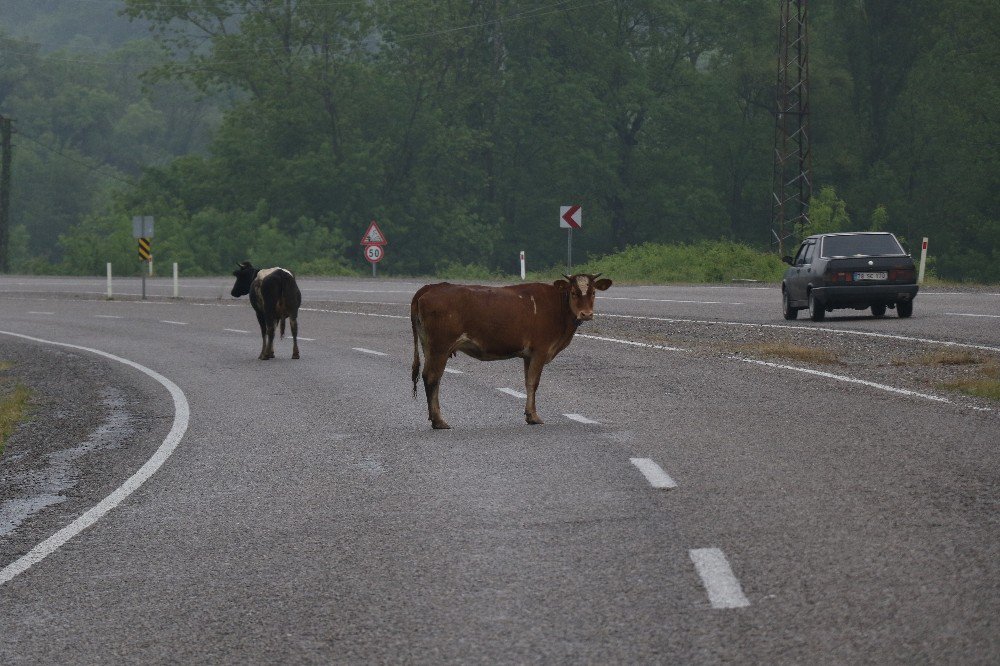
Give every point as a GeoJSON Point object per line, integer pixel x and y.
{"type": "Point", "coordinates": [570, 217]}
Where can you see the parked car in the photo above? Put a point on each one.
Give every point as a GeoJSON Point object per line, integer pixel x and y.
{"type": "Point", "coordinates": [849, 270]}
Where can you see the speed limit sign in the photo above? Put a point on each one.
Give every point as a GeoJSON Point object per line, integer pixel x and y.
{"type": "Point", "coordinates": [374, 253]}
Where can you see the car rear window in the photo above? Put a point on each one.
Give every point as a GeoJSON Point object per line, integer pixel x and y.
{"type": "Point", "coordinates": [860, 245]}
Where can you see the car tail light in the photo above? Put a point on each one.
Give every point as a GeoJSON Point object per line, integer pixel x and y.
{"type": "Point", "coordinates": [901, 275]}
{"type": "Point", "coordinates": [840, 277]}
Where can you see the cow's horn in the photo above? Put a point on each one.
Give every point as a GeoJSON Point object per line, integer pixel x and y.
{"type": "Point", "coordinates": [598, 275]}
{"type": "Point", "coordinates": [568, 278]}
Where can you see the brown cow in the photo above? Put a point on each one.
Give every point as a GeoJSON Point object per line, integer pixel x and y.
{"type": "Point", "coordinates": [534, 321]}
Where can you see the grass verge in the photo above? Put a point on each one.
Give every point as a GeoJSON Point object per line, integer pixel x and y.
{"type": "Point", "coordinates": [986, 384]}
{"type": "Point", "coordinates": [13, 404]}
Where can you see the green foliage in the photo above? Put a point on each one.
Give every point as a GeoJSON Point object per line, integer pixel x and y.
{"type": "Point", "coordinates": [704, 261]}
{"type": "Point", "coordinates": [462, 127]}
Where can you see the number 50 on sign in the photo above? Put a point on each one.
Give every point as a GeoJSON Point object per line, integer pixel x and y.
{"type": "Point", "coordinates": [374, 253]}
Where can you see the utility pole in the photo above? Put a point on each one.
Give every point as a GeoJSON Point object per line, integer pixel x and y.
{"type": "Point", "coordinates": [5, 160]}
{"type": "Point", "coordinates": [792, 176]}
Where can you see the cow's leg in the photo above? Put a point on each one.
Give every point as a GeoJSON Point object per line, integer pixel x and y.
{"type": "Point", "coordinates": [433, 371]}
{"type": "Point", "coordinates": [263, 335]}
{"type": "Point", "coordinates": [270, 339]}
{"type": "Point", "coordinates": [294, 324]}
{"type": "Point", "coordinates": [532, 375]}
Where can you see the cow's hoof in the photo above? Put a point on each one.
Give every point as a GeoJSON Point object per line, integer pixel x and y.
{"type": "Point", "coordinates": [440, 425]}
{"type": "Point", "coordinates": [533, 420]}
{"type": "Point", "coordinates": [295, 355]}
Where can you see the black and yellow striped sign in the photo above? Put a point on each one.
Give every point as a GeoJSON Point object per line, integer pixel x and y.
{"type": "Point", "coordinates": [144, 252]}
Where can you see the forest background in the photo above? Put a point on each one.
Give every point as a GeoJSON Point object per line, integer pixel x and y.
{"type": "Point", "coordinates": [276, 130]}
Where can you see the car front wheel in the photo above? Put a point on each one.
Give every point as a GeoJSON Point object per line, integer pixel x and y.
{"type": "Point", "coordinates": [786, 308]}
{"type": "Point", "coordinates": [816, 311]}
{"type": "Point", "coordinates": [904, 309]}
{"type": "Point", "coordinates": [878, 310]}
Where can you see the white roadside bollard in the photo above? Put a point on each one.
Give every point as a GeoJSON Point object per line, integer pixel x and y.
{"type": "Point", "coordinates": [923, 260]}
{"type": "Point", "coordinates": [522, 264]}
{"type": "Point", "coordinates": [176, 289]}
{"type": "Point", "coordinates": [109, 281]}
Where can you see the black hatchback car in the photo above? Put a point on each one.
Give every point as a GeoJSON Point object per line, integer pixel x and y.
{"type": "Point", "coordinates": [849, 270]}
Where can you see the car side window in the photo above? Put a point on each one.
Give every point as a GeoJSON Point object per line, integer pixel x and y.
{"type": "Point", "coordinates": [806, 254]}
{"type": "Point", "coordinates": [801, 255]}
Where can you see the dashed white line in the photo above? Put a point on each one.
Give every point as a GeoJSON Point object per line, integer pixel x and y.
{"type": "Point", "coordinates": [176, 323]}
{"type": "Point", "coordinates": [45, 313]}
{"type": "Point", "coordinates": [653, 473]}
{"type": "Point", "coordinates": [173, 438]}
{"type": "Point", "coordinates": [109, 316]}
{"type": "Point", "coordinates": [664, 300]}
{"type": "Point", "coordinates": [369, 351]}
{"type": "Point", "coordinates": [516, 394]}
{"type": "Point", "coordinates": [365, 314]}
{"type": "Point", "coordinates": [235, 330]}
{"type": "Point", "coordinates": [580, 419]}
{"type": "Point", "coordinates": [723, 588]}
{"type": "Point", "coordinates": [306, 339]}
{"type": "Point", "coordinates": [454, 372]}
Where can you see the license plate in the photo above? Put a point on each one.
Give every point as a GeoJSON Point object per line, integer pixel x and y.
{"type": "Point", "coordinates": [877, 275]}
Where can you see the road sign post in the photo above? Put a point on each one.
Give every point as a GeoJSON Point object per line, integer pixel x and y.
{"type": "Point", "coordinates": [373, 242]}
{"type": "Point", "coordinates": [570, 218]}
{"type": "Point", "coordinates": [923, 260]}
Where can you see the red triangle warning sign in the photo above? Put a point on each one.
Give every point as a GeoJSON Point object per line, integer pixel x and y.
{"type": "Point", "coordinates": [374, 236]}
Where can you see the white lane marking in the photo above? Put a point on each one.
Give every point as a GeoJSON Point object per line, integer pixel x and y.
{"type": "Point", "coordinates": [365, 314]}
{"type": "Point", "coordinates": [182, 415]}
{"type": "Point", "coordinates": [109, 316]}
{"type": "Point", "coordinates": [177, 323]}
{"type": "Point", "coordinates": [45, 313]}
{"type": "Point", "coordinates": [629, 342]}
{"type": "Point", "coordinates": [306, 339]}
{"type": "Point", "coordinates": [580, 419]}
{"type": "Point", "coordinates": [969, 314]}
{"type": "Point", "coordinates": [946, 343]}
{"type": "Point", "coordinates": [724, 589]}
{"type": "Point", "coordinates": [653, 473]}
{"type": "Point", "coordinates": [665, 300]}
{"type": "Point", "coordinates": [235, 330]}
{"type": "Point", "coordinates": [850, 380]}
{"type": "Point", "coordinates": [454, 372]}
{"type": "Point", "coordinates": [369, 351]}
{"type": "Point", "coordinates": [516, 394]}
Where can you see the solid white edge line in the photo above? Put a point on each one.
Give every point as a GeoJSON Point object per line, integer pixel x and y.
{"type": "Point", "coordinates": [647, 345]}
{"type": "Point", "coordinates": [509, 391]}
{"type": "Point", "coordinates": [969, 314]}
{"type": "Point", "coordinates": [580, 419]}
{"type": "Point", "coordinates": [723, 588]}
{"type": "Point", "coordinates": [850, 380]}
{"type": "Point", "coordinates": [182, 415]}
{"type": "Point", "coordinates": [369, 351]}
{"type": "Point", "coordinates": [653, 473]}
{"type": "Point", "coordinates": [871, 334]}
{"type": "Point", "coordinates": [366, 314]}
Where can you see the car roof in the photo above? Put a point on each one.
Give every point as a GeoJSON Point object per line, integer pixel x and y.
{"type": "Point", "coordinates": [852, 233]}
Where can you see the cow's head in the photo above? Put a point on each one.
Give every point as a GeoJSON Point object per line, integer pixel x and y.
{"type": "Point", "coordinates": [581, 290]}
{"type": "Point", "coordinates": [244, 276]}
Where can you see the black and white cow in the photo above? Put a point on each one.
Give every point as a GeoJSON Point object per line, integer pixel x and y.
{"type": "Point", "coordinates": [274, 297]}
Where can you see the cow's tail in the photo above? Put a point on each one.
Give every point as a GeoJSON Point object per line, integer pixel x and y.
{"type": "Point", "coordinates": [282, 327]}
{"type": "Point", "coordinates": [415, 369]}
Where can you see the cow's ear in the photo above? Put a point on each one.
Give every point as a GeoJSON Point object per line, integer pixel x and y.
{"type": "Point", "coordinates": [561, 285]}
{"type": "Point", "coordinates": [602, 284]}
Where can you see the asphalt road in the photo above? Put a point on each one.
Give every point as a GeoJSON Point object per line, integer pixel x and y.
{"type": "Point", "coordinates": [307, 513]}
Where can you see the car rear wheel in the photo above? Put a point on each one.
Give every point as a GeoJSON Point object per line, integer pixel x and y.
{"type": "Point", "coordinates": [816, 311]}
{"type": "Point", "coordinates": [878, 310]}
{"type": "Point", "coordinates": [904, 308]}
{"type": "Point", "coordinates": [786, 308]}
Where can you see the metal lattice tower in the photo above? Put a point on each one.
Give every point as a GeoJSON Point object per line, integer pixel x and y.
{"type": "Point", "coordinates": [792, 181]}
